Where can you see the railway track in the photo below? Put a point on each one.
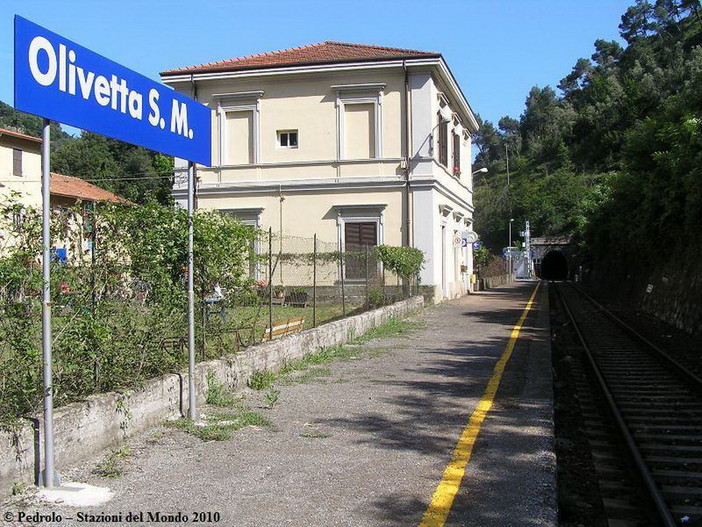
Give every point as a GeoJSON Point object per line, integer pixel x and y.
{"type": "Point", "coordinates": [655, 405]}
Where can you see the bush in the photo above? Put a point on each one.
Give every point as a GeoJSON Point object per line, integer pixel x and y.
{"type": "Point", "coordinates": [406, 262]}
{"type": "Point", "coordinates": [111, 309]}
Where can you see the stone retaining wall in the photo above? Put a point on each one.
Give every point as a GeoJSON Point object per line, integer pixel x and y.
{"type": "Point", "coordinates": [83, 430]}
{"type": "Point", "coordinates": [492, 281]}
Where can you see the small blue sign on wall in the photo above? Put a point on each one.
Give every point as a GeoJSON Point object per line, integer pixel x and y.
{"type": "Point", "coordinates": [59, 80]}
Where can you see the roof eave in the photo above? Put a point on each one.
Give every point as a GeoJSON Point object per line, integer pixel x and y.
{"type": "Point", "coordinates": [231, 69]}
{"type": "Point", "coordinates": [19, 135]}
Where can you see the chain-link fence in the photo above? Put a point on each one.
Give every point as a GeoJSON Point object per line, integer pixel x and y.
{"type": "Point", "coordinates": [309, 272]}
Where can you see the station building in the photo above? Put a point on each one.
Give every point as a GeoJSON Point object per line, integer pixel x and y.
{"type": "Point", "coordinates": [361, 145]}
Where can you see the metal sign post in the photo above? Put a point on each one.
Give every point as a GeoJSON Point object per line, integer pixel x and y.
{"type": "Point", "coordinates": [62, 81]}
{"type": "Point", "coordinates": [192, 396]}
{"type": "Point", "coordinates": [49, 478]}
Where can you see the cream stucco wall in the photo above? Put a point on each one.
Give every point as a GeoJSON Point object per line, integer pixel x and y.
{"type": "Point", "coordinates": [306, 103]}
{"type": "Point", "coordinates": [306, 213]}
{"type": "Point", "coordinates": [29, 184]}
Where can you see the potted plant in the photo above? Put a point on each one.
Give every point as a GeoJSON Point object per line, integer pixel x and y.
{"type": "Point", "coordinates": [278, 295]}
{"type": "Point", "coordinates": [279, 291]}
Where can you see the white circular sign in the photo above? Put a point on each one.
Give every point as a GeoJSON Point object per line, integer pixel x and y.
{"type": "Point", "coordinates": [471, 236]}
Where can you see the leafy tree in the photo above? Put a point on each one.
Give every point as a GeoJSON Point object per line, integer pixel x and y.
{"type": "Point", "coordinates": [25, 123]}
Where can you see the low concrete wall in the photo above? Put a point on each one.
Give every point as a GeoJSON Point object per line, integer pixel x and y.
{"type": "Point", "coordinates": [85, 429]}
{"type": "Point", "coordinates": [492, 281]}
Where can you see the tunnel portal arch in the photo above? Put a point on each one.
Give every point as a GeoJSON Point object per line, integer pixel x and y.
{"type": "Point", "coordinates": [554, 266]}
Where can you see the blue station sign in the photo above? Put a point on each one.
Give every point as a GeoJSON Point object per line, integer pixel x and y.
{"type": "Point", "coordinates": [60, 80]}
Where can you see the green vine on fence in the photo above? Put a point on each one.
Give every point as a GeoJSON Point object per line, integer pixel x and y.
{"type": "Point", "coordinates": [406, 262]}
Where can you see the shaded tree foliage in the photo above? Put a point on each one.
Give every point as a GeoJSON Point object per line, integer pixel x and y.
{"type": "Point", "coordinates": [614, 159]}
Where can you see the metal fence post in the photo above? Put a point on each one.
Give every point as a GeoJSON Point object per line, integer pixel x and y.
{"type": "Point", "coordinates": [205, 319]}
{"type": "Point", "coordinates": [270, 281]}
{"type": "Point", "coordinates": [341, 273]}
{"type": "Point", "coordinates": [314, 282]}
{"type": "Point", "coordinates": [367, 280]}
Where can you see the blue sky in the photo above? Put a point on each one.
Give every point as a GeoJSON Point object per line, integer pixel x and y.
{"type": "Point", "coordinates": [497, 49]}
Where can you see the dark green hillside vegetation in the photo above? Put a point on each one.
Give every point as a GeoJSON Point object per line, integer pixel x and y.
{"type": "Point", "coordinates": [615, 159]}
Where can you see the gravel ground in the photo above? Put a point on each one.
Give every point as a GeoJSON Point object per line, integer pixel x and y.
{"type": "Point", "coordinates": [364, 441]}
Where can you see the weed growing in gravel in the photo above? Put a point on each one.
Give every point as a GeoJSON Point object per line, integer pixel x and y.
{"type": "Point", "coordinates": [110, 466]}
{"type": "Point", "coordinates": [18, 487]}
{"type": "Point", "coordinates": [219, 425]}
{"type": "Point", "coordinates": [217, 394]}
{"type": "Point", "coordinates": [153, 438]}
{"type": "Point", "coordinates": [271, 397]}
{"type": "Point", "coordinates": [260, 380]}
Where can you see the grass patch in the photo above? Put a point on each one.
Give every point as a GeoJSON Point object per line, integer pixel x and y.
{"type": "Point", "coordinates": [247, 315]}
{"type": "Point", "coordinates": [110, 467]}
{"type": "Point", "coordinates": [220, 425]}
{"type": "Point", "coordinates": [395, 327]}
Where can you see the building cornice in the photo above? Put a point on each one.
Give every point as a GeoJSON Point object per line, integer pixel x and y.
{"type": "Point", "coordinates": [318, 185]}
{"type": "Point", "coordinates": [434, 62]}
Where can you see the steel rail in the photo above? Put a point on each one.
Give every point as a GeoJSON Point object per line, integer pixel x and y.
{"type": "Point", "coordinates": [693, 379]}
{"type": "Point", "coordinates": [639, 463]}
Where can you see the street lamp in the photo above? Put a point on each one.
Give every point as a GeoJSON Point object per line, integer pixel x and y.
{"type": "Point", "coordinates": [483, 170]}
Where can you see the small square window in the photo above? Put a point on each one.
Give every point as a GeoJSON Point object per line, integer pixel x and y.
{"type": "Point", "coordinates": [287, 139]}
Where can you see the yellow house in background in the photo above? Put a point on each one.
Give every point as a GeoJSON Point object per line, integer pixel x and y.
{"type": "Point", "coordinates": [20, 167]}
{"type": "Point", "coordinates": [362, 145]}
{"type": "Point", "coordinates": [20, 181]}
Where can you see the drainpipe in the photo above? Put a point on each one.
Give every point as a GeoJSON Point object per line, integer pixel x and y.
{"type": "Point", "coordinates": [407, 238]}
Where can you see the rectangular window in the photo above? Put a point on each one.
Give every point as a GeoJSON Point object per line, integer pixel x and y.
{"type": "Point", "coordinates": [287, 139]}
{"type": "Point", "coordinates": [16, 162]}
{"type": "Point", "coordinates": [456, 155]}
{"type": "Point", "coordinates": [443, 141]}
{"type": "Point", "coordinates": [358, 236]}
{"type": "Point", "coordinates": [359, 131]}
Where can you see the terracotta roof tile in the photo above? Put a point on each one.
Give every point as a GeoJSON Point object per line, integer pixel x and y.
{"type": "Point", "coordinates": [322, 53]}
{"type": "Point", "coordinates": [73, 187]}
{"type": "Point", "coordinates": [19, 135]}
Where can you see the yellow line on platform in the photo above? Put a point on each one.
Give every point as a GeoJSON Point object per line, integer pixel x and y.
{"type": "Point", "coordinates": [442, 500]}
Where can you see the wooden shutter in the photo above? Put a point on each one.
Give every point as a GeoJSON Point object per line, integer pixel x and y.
{"type": "Point", "coordinates": [356, 237]}
{"type": "Point", "coordinates": [16, 161]}
{"type": "Point", "coordinates": [443, 142]}
{"type": "Point", "coordinates": [456, 155]}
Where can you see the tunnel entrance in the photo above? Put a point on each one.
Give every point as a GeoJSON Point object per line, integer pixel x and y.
{"type": "Point", "coordinates": [554, 266]}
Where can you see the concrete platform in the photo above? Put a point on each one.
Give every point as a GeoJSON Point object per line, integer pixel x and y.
{"type": "Point", "coordinates": [366, 441]}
